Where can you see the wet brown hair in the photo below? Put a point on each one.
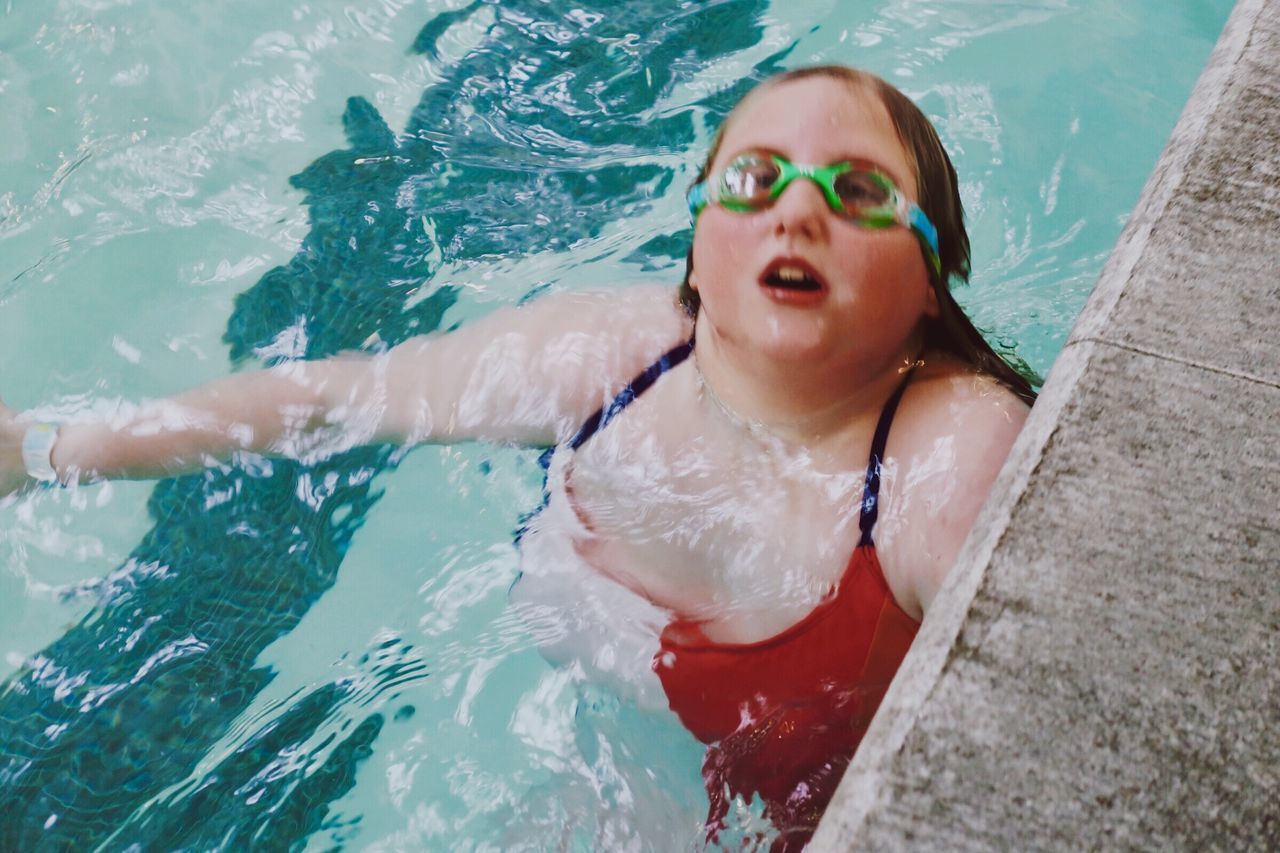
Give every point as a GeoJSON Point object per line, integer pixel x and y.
{"type": "Point", "coordinates": [951, 331]}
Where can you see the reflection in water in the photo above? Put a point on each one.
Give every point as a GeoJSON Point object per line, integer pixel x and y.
{"type": "Point", "coordinates": [556, 107]}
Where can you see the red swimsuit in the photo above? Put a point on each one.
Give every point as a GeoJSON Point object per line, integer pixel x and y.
{"type": "Point", "coordinates": [783, 716]}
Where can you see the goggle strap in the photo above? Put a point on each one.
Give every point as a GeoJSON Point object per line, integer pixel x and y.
{"type": "Point", "coordinates": [919, 223]}
{"type": "Point", "coordinates": [697, 199]}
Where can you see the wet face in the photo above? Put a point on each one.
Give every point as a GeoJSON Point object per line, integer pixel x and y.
{"type": "Point", "coordinates": [795, 281]}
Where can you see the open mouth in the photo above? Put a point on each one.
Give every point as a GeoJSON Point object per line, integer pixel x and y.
{"type": "Point", "coordinates": [791, 275]}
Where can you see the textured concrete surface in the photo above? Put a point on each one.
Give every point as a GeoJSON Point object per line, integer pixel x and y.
{"type": "Point", "coordinates": [1103, 668]}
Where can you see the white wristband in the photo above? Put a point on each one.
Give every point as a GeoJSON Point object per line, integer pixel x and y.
{"type": "Point", "coordinates": [37, 451]}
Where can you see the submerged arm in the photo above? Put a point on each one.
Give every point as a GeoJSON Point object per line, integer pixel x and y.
{"type": "Point", "coordinates": [524, 375]}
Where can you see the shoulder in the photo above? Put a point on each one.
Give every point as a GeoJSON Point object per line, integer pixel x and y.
{"type": "Point", "coordinates": [622, 331]}
{"type": "Point", "coordinates": [653, 302]}
{"type": "Point", "coordinates": [951, 439]}
{"type": "Point", "coordinates": [585, 346]}
{"type": "Point", "coordinates": [636, 318]}
{"type": "Point", "coordinates": [951, 400]}
{"type": "Point", "coordinates": [531, 373]}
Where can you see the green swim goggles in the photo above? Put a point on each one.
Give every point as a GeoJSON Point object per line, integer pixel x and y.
{"type": "Point", "coordinates": [754, 181]}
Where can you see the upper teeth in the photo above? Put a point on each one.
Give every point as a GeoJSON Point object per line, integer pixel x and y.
{"type": "Point", "coordinates": [789, 273]}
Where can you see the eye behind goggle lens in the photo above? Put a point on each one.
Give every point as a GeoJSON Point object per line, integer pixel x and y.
{"type": "Point", "coordinates": [863, 192]}
{"type": "Point", "coordinates": [749, 180]}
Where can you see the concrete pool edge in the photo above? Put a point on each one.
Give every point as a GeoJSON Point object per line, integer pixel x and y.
{"type": "Point", "coordinates": [1000, 730]}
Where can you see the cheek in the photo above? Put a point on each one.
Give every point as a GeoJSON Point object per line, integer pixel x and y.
{"type": "Point", "coordinates": [888, 271]}
{"type": "Point", "coordinates": [895, 254]}
{"type": "Point", "coordinates": [719, 247]}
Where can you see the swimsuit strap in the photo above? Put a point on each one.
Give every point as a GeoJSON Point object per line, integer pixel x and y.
{"type": "Point", "coordinates": [627, 395]}
{"type": "Point", "coordinates": [871, 491]}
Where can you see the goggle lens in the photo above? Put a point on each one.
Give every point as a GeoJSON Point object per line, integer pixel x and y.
{"type": "Point", "coordinates": [749, 181]}
{"type": "Point", "coordinates": [861, 192]}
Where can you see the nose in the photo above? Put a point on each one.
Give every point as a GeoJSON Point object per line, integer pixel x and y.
{"type": "Point", "coordinates": [801, 210]}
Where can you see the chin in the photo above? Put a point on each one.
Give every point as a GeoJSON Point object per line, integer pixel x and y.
{"type": "Point", "coordinates": [800, 350]}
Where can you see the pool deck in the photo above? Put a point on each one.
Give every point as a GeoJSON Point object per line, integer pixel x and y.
{"type": "Point", "coordinates": [1103, 668]}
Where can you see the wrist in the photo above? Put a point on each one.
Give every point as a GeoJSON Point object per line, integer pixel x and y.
{"type": "Point", "coordinates": [37, 451]}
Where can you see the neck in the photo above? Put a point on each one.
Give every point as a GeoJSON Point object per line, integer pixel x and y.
{"type": "Point", "coordinates": [802, 404]}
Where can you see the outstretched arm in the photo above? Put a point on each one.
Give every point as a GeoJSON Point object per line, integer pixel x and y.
{"type": "Point", "coordinates": [525, 375]}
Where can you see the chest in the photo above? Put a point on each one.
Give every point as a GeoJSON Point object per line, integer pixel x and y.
{"type": "Point", "coordinates": [711, 521]}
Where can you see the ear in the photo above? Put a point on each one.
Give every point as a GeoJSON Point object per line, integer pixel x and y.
{"type": "Point", "coordinates": [693, 281]}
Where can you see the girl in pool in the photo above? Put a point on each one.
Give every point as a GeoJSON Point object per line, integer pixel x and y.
{"type": "Point", "coordinates": [757, 484]}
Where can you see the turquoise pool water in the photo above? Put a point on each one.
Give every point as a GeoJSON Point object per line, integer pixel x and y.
{"type": "Point", "coordinates": [310, 657]}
